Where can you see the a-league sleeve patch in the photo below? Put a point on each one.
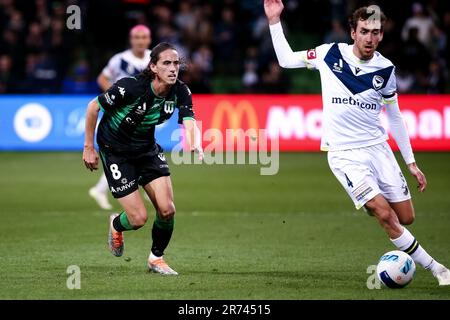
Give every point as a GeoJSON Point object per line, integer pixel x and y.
{"type": "Point", "coordinates": [311, 54]}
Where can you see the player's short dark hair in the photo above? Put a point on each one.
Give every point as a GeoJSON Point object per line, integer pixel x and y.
{"type": "Point", "coordinates": [363, 14]}
{"type": "Point", "coordinates": [155, 55]}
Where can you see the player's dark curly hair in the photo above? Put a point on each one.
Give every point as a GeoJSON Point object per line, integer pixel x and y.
{"type": "Point", "coordinates": [154, 57]}
{"type": "Point", "coordinates": [363, 14]}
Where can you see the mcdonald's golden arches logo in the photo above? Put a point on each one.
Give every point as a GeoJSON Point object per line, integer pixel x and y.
{"type": "Point", "coordinates": [234, 115]}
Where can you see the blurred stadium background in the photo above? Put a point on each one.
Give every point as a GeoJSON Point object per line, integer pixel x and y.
{"type": "Point", "coordinates": [226, 43]}
{"type": "Point", "coordinates": [239, 235]}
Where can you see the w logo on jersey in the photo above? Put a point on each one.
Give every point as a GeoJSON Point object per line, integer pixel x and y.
{"type": "Point", "coordinates": [377, 82]}
{"type": "Point", "coordinates": [169, 106]}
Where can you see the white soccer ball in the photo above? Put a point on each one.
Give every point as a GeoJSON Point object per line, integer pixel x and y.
{"type": "Point", "coordinates": [396, 269]}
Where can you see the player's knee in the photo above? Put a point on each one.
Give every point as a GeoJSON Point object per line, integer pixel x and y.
{"type": "Point", "coordinates": [386, 217]}
{"type": "Point", "coordinates": [383, 213]}
{"type": "Point", "coordinates": [167, 212]}
{"type": "Point", "coordinates": [139, 218]}
{"type": "Point", "coordinates": [407, 220]}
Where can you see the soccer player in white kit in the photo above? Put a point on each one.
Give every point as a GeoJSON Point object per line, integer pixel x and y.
{"type": "Point", "coordinates": [357, 83]}
{"type": "Point", "coordinates": [123, 64]}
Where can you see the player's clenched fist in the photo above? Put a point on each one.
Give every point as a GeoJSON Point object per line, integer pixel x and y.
{"type": "Point", "coordinates": [90, 158]}
{"type": "Point", "coordinates": [273, 9]}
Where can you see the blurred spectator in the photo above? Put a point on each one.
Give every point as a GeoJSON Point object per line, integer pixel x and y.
{"type": "Point", "coordinates": [185, 19]}
{"type": "Point", "coordinates": [391, 38]}
{"type": "Point", "coordinates": [16, 22]}
{"type": "Point", "coordinates": [415, 55]}
{"type": "Point", "coordinates": [7, 77]}
{"type": "Point", "coordinates": [203, 29]}
{"type": "Point", "coordinates": [405, 81]}
{"type": "Point", "coordinates": [250, 78]}
{"type": "Point", "coordinates": [419, 21]}
{"type": "Point", "coordinates": [225, 39]}
{"type": "Point", "coordinates": [42, 13]}
{"type": "Point", "coordinates": [438, 42]}
{"type": "Point", "coordinates": [42, 74]}
{"type": "Point", "coordinates": [274, 79]}
{"type": "Point", "coordinates": [435, 82]}
{"type": "Point", "coordinates": [203, 57]}
{"type": "Point", "coordinates": [337, 33]}
{"type": "Point", "coordinates": [79, 81]}
{"type": "Point", "coordinates": [35, 40]}
{"type": "Point", "coordinates": [194, 78]}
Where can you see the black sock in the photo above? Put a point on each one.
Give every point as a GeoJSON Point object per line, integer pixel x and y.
{"type": "Point", "coordinates": [121, 223]}
{"type": "Point", "coordinates": [161, 238]}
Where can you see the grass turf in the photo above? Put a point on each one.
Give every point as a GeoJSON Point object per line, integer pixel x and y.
{"type": "Point", "coordinates": [238, 235]}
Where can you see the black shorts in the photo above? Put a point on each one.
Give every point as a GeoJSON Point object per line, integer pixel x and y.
{"type": "Point", "coordinates": [126, 172]}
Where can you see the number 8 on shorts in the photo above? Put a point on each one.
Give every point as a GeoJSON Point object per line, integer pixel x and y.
{"type": "Point", "coordinates": [115, 171]}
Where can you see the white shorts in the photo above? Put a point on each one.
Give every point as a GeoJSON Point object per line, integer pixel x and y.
{"type": "Point", "coordinates": [369, 171]}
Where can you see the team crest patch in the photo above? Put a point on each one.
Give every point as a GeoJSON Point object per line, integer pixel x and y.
{"type": "Point", "coordinates": [377, 82]}
{"type": "Point", "coordinates": [311, 54]}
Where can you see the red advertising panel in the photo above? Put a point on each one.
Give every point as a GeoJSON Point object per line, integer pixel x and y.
{"type": "Point", "coordinates": [296, 120]}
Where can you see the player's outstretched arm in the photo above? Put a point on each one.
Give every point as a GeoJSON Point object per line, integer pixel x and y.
{"type": "Point", "coordinates": [286, 57]}
{"type": "Point", "coordinates": [401, 137]}
{"type": "Point", "coordinates": [90, 156]}
{"type": "Point", "coordinates": [193, 137]}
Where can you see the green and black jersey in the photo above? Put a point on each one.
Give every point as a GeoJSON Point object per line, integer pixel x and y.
{"type": "Point", "coordinates": [132, 110]}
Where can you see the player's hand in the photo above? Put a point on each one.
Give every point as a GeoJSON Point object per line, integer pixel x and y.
{"type": "Point", "coordinates": [420, 177]}
{"type": "Point", "coordinates": [90, 158]}
{"type": "Point", "coordinates": [198, 150]}
{"type": "Point", "coordinates": [273, 9]}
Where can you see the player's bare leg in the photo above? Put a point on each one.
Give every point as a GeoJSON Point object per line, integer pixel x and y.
{"type": "Point", "coordinates": [161, 194]}
{"type": "Point", "coordinates": [404, 211]}
{"type": "Point", "coordinates": [134, 217]}
{"type": "Point", "coordinates": [390, 216]}
{"type": "Point", "coordinates": [99, 193]}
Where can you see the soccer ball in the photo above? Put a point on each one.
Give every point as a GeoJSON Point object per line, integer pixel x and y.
{"type": "Point", "coordinates": [396, 269]}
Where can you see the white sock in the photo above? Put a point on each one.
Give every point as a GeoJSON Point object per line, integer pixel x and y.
{"type": "Point", "coordinates": [102, 184]}
{"type": "Point", "coordinates": [152, 257]}
{"type": "Point", "coordinates": [407, 243]}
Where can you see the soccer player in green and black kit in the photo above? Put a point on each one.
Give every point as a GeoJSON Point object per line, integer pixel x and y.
{"type": "Point", "coordinates": [132, 107]}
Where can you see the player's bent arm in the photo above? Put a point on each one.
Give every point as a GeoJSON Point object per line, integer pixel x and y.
{"type": "Point", "coordinates": [286, 57]}
{"type": "Point", "coordinates": [193, 136]}
{"type": "Point", "coordinates": [103, 82]}
{"type": "Point", "coordinates": [90, 156]}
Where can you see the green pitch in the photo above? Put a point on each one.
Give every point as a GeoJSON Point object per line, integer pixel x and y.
{"type": "Point", "coordinates": [238, 235]}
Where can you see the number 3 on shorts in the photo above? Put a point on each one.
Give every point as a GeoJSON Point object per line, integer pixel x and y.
{"type": "Point", "coordinates": [115, 171]}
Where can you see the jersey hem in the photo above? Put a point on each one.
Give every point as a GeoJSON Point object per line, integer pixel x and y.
{"type": "Point", "coordinates": [349, 147]}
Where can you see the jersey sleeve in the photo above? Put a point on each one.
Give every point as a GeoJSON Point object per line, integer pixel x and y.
{"type": "Point", "coordinates": [389, 92]}
{"type": "Point", "coordinates": [312, 58]}
{"type": "Point", "coordinates": [184, 105]}
{"type": "Point", "coordinates": [119, 94]}
{"type": "Point", "coordinates": [110, 70]}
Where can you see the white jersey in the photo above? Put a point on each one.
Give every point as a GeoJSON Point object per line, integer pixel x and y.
{"type": "Point", "coordinates": [353, 92]}
{"type": "Point", "coordinates": [125, 64]}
